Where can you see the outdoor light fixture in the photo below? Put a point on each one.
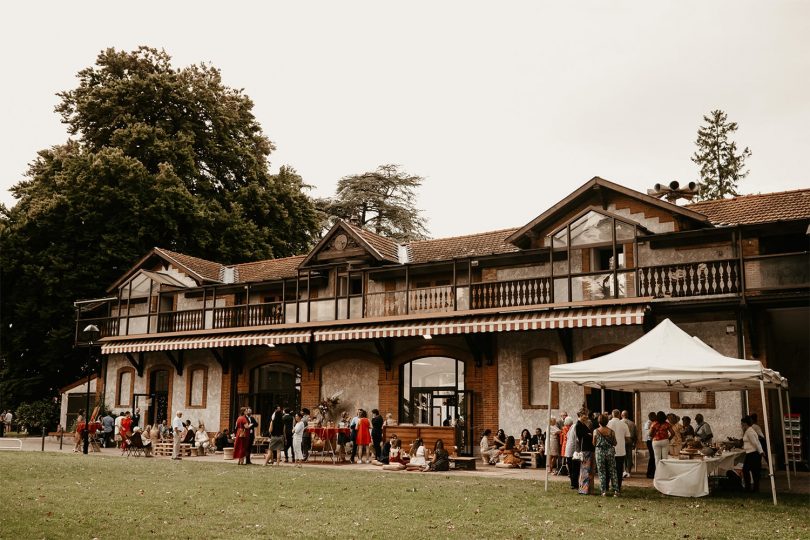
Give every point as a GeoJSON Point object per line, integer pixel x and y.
{"type": "Point", "coordinates": [730, 329]}
{"type": "Point", "coordinates": [427, 336]}
{"type": "Point", "coordinates": [271, 345]}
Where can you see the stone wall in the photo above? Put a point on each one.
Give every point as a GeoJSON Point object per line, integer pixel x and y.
{"type": "Point", "coordinates": [356, 379]}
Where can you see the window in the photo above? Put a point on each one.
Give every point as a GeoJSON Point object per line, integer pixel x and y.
{"type": "Point", "coordinates": [124, 387]}
{"type": "Point", "coordinates": [197, 387]}
{"type": "Point", "coordinates": [355, 285]}
{"type": "Point", "coordinates": [536, 365]}
{"type": "Point", "coordinates": [432, 390]}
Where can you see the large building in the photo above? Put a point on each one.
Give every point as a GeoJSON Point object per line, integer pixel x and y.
{"type": "Point", "coordinates": [462, 330]}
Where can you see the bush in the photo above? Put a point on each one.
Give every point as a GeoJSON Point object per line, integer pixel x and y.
{"type": "Point", "coordinates": [37, 415]}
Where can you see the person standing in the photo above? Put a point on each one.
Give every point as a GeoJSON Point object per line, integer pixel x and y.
{"type": "Point", "coordinates": [353, 435]}
{"type": "Point", "coordinates": [622, 433]}
{"type": "Point", "coordinates": [107, 426]}
{"type": "Point", "coordinates": [703, 431]}
{"type": "Point", "coordinates": [306, 443]}
{"type": "Point", "coordinates": [2, 423]}
{"type": "Point", "coordinates": [251, 432]}
{"type": "Point", "coordinates": [584, 434]}
{"type": "Point", "coordinates": [8, 419]}
{"type": "Point", "coordinates": [363, 437]}
{"type": "Point", "coordinates": [645, 435]}
{"type": "Point", "coordinates": [753, 455]}
{"type": "Point", "coordinates": [660, 433]}
{"type": "Point", "coordinates": [136, 417]}
{"type": "Point", "coordinates": [177, 433]}
{"type": "Point", "coordinates": [628, 458]}
{"type": "Point", "coordinates": [376, 432]}
{"type": "Point", "coordinates": [117, 428]}
{"type": "Point", "coordinates": [289, 424]}
{"type": "Point", "coordinates": [241, 446]}
{"type": "Point", "coordinates": [604, 442]}
{"type": "Point", "coordinates": [126, 429]}
{"type": "Point", "coordinates": [276, 445]}
{"type": "Point", "coordinates": [570, 448]}
{"type": "Point", "coordinates": [297, 439]}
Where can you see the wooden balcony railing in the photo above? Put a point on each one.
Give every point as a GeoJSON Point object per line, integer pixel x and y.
{"type": "Point", "coordinates": [108, 326]}
{"type": "Point", "coordinates": [250, 315]}
{"type": "Point", "coordinates": [431, 299]}
{"type": "Point", "coordinates": [690, 279]}
{"type": "Point", "coordinates": [515, 292]}
{"type": "Point", "coordinates": [181, 321]}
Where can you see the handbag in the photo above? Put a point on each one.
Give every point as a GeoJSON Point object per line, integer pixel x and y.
{"type": "Point", "coordinates": [577, 456]}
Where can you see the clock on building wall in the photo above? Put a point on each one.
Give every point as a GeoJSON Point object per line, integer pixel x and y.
{"type": "Point", "coordinates": [340, 242]}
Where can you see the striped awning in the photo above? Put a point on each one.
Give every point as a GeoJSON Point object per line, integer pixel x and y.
{"type": "Point", "coordinates": [206, 342]}
{"type": "Point", "coordinates": [569, 318]}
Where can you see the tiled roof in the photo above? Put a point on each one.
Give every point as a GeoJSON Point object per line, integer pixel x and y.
{"type": "Point", "coordinates": [205, 269]}
{"type": "Point", "coordinates": [749, 209]}
{"type": "Point", "coordinates": [268, 270]}
{"type": "Point", "coordinates": [386, 247]}
{"type": "Point", "coordinates": [473, 245]}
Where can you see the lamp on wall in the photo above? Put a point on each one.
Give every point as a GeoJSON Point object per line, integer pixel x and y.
{"type": "Point", "coordinates": [427, 336]}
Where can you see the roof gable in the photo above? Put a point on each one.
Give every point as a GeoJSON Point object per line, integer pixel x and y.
{"type": "Point", "coordinates": [200, 270]}
{"type": "Point", "coordinates": [346, 242]}
{"type": "Point", "coordinates": [632, 205]}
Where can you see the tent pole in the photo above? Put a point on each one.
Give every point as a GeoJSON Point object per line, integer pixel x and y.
{"type": "Point", "coordinates": [787, 390]}
{"type": "Point", "coordinates": [548, 425]}
{"type": "Point", "coordinates": [767, 438]}
{"type": "Point", "coordinates": [603, 401]}
{"type": "Point", "coordinates": [638, 429]}
{"type": "Point", "coordinates": [784, 436]}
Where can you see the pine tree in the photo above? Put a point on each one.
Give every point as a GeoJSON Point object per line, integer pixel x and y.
{"type": "Point", "coordinates": [721, 167]}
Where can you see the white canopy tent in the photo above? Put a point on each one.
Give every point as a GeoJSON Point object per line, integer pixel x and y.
{"type": "Point", "coordinates": [667, 359]}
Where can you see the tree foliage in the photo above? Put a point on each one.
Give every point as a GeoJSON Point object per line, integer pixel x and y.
{"type": "Point", "coordinates": [381, 201]}
{"type": "Point", "coordinates": [721, 166]}
{"type": "Point", "coordinates": [158, 157]}
{"type": "Point", "coordinates": [37, 414]}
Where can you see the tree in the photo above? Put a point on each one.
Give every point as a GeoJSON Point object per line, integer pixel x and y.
{"type": "Point", "coordinates": [37, 415]}
{"type": "Point", "coordinates": [381, 201]}
{"type": "Point", "coordinates": [721, 167]}
{"type": "Point", "coordinates": [159, 157]}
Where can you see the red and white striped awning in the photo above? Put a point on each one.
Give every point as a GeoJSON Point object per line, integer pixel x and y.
{"type": "Point", "coordinates": [206, 342]}
{"type": "Point", "coordinates": [570, 318]}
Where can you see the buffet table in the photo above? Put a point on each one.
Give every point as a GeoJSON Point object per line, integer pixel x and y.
{"type": "Point", "coordinates": [328, 435]}
{"type": "Point", "coordinates": [690, 477]}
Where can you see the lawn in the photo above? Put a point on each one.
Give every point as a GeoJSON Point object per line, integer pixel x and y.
{"type": "Point", "coordinates": [48, 495]}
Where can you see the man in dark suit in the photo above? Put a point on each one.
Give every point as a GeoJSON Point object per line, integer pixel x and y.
{"type": "Point", "coordinates": [376, 432]}
{"type": "Point", "coordinates": [288, 428]}
{"type": "Point", "coordinates": [251, 433]}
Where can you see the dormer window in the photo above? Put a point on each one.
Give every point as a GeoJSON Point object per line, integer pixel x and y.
{"type": "Point", "coordinates": [591, 255]}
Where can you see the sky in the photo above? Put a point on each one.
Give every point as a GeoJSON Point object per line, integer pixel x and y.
{"type": "Point", "coordinates": [503, 107]}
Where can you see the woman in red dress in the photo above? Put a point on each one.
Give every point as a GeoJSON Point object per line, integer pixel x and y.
{"type": "Point", "coordinates": [126, 430]}
{"type": "Point", "coordinates": [241, 444]}
{"type": "Point", "coordinates": [363, 437]}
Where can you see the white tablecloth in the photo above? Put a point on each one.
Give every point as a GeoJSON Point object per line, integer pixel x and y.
{"type": "Point", "coordinates": [690, 477]}
{"type": "Point", "coordinates": [682, 477]}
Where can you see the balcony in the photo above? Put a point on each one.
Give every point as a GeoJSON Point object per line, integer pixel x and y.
{"type": "Point", "coordinates": [674, 281]}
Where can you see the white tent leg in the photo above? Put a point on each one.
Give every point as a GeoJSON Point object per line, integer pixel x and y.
{"type": "Point", "coordinates": [636, 415]}
{"type": "Point", "coordinates": [767, 439]}
{"type": "Point", "coordinates": [784, 437]}
{"type": "Point", "coordinates": [548, 425]}
{"type": "Point", "coordinates": [790, 415]}
{"type": "Point", "coordinates": [603, 401]}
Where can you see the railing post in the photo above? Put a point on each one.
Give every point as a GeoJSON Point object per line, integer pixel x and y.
{"type": "Point", "coordinates": [407, 290]}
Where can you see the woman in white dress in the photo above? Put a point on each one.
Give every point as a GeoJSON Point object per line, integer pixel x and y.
{"type": "Point", "coordinates": [417, 455]}
{"type": "Point", "coordinates": [297, 439]}
{"type": "Point", "coordinates": [201, 439]}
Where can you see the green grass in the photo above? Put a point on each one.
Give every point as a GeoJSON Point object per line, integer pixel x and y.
{"type": "Point", "coordinates": [73, 496]}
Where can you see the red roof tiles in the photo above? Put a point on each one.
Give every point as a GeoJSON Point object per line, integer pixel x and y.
{"type": "Point", "coordinates": [473, 245]}
{"type": "Point", "coordinates": [208, 270]}
{"type": "Point", "coordinates": [268, 270]}
{"type": "Point", "coordinates": [763, 208]}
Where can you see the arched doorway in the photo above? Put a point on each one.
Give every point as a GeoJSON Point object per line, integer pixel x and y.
{"type": "Point", "coordinates": [432, 392]}
{"type": "Point", "coordinates": [272, 384]}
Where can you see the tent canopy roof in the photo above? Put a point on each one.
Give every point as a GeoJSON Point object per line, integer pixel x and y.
{"type": "Point", "coordinates": [667, 359]}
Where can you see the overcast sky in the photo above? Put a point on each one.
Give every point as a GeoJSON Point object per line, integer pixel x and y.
{"type": "Point", "coordinates": [504, 107]}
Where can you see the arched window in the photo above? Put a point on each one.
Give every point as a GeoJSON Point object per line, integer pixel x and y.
{"type": "Point", "coordinates": [124, 387]}
{"type": "Point", "coordinates": [432, 391]}
{"type": "Point", "coordinates": [196, 387]}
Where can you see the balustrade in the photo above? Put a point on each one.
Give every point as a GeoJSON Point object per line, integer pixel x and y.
{"type": "Point", "coordinates": [250, 315]}
{"type": "Point", "coordinates": [181, 321]}
{"type": "Point", "coordinates": [690, 279]}
{"type": "Point", "coordinates": [512, 293]}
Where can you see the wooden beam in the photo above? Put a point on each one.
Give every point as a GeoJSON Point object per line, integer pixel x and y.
{"type": "Point", "coordinates": [566, 336]}
{"type": "Point", "coordinates": [137, 364]}
{"type": "Point", "coordinates": [223, 362]}
{"type": "Point", "coordinates": [177, 361]}
{"type": "Point", "coordinates": [385, 348]}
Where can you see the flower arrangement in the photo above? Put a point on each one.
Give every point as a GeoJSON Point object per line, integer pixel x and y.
{"type": "Point", "coordinates": [327, 404]}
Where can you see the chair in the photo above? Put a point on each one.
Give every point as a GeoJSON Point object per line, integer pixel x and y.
{"type": "Point", "coordinates": [135, 445]}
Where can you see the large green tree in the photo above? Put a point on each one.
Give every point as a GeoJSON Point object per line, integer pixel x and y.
{"type": "Point", "coordinates": [381, 201]}
{"type": "Point", "coordinates": [158, 157]}
{"type": "Point", "coordinates": [721, 165]}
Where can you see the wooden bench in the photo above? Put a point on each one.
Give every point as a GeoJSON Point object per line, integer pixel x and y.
{"type": "Point", "coordinates": [428, 434]}
{"type": "Point", "coordinates": [465, 463]}
{"type": "Point", "coordinates": [10, 444]}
